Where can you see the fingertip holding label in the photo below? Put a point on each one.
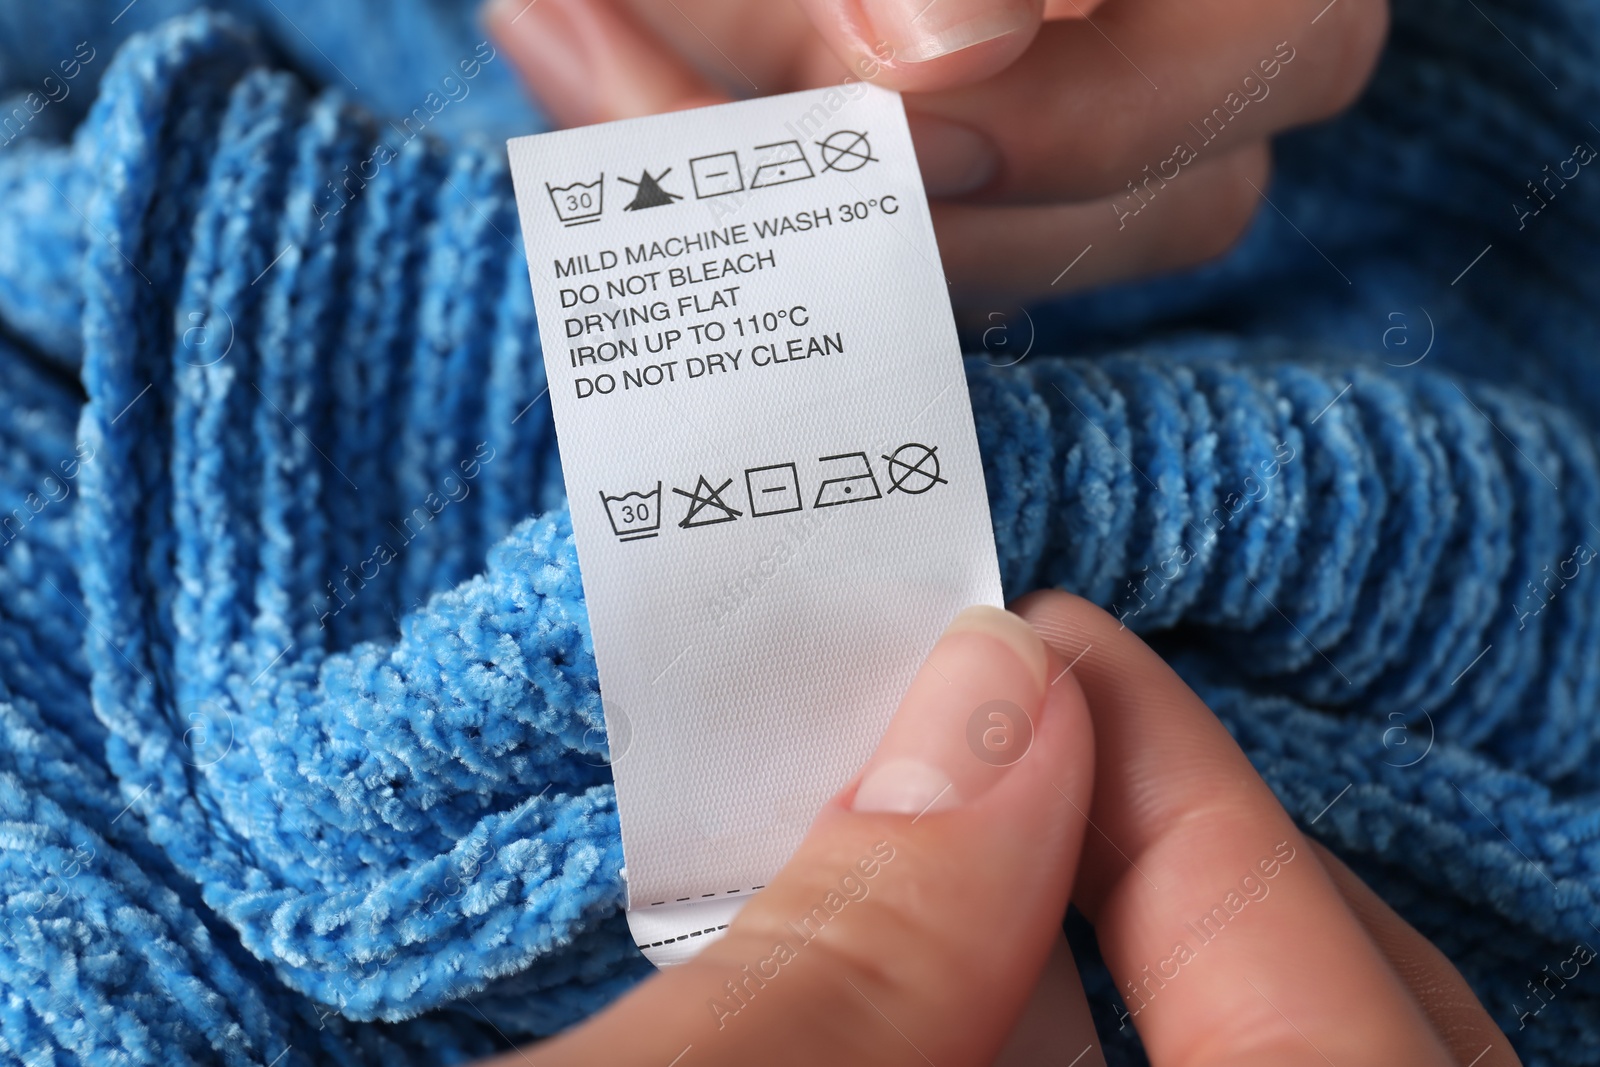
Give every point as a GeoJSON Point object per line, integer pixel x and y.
{"type": "Point", "coordinates": [1010, 630]}
{"type": "Point", "coordinates": [964, 720]}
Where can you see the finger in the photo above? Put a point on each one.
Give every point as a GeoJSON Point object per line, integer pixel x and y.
{"type": "Point", "coordinates": [1229, 945]}
{"type": "Point", "coordinates": [591, 61]}
{"type": "Point", "coordinates": [757, 48]}
{"type": "Point", "coordinates": [1446, 999]}
{"type": "Point", "coordinates": [1129, 101]}
{"type": "Point", "coordinates": [1070, 9]}
{"type": "Point", "coordinates": [997, 255]}
{"type": "Point", "coordinates": [921, 45]}
{"type": "Point", "coordinates": [917, 914]}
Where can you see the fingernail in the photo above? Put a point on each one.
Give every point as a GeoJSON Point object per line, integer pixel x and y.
{"type": "Point", "coordinates": [920, 30]}
{"type": "Point", "coordinates": [955, 159]}
{"type": "Point", "coordinates": [985, 674]}
{"type": "Point", "coordinates": [1011, 630]}
{"type": "Point", "coordinates": [906, 787]}
{"type": "Point", "coordinates": [552, 42]}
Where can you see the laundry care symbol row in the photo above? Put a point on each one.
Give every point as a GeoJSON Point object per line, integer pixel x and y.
{"type": "Point", "coordinates": [775, 489]}
{"type": "Point", "coordinates": [717, 174]}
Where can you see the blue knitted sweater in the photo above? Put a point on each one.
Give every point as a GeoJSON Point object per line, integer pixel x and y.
{"type": "Point", "coordinates": [301, 751]}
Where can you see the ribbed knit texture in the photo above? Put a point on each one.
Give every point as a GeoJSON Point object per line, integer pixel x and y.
{"type": "Point", "coordinates": [301, 750]}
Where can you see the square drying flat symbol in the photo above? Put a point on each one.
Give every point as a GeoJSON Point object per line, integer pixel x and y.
{"type": "Point", "coordinates": [774, 490]}
{"type": "Point", "coordinates": [716, 175]}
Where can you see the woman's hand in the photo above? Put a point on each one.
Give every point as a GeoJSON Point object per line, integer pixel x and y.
{"type": "Point", "coordinates": [1067, 143]}
{"type": "Point", "coordinates": [919, 920]}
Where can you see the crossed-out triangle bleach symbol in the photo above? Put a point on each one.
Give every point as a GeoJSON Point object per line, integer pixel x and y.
{"type": "Point", "coordinates": [706, 506]}
{"type": "Point", "coordinates": [650, 193]}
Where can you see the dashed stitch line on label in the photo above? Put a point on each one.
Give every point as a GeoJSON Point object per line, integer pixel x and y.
{"type": "Point", "coordinates": [685, 937]}
{"type": "Point", "coordinates": [702, 896]}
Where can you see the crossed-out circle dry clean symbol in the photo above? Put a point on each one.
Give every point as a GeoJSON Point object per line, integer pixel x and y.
{"type": "Point", "coordinates": [845, 151]}
{"type": "Point", "coordinates": [917, 472]}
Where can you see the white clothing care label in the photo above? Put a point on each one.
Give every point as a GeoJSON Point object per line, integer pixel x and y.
{"type": "Point", "coordinates": [770, 461]}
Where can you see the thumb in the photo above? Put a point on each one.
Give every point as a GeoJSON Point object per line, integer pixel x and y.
{"type": "Point", "coordinates": [913, 920]}
{"type": "Point", "coordinates": [922, 45]}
